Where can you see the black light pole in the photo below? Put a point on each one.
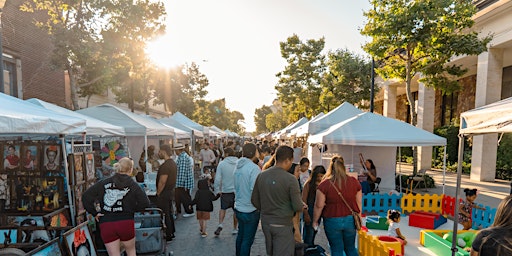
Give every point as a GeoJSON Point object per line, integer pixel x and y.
{"type": "Point", "coordinates": [372, 86]}
{"type": "Point", "coordinates": [2, 3]}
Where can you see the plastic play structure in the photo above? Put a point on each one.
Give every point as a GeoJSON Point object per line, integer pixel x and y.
{"type": "Point", "coordinates": [425, 211]}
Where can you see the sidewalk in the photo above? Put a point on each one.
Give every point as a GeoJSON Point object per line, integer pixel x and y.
{"type": "Point", "coordinates": [489, 193]}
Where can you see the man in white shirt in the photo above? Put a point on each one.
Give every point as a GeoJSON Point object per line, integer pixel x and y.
{"type": "Point", "coordinates": [206, 156]}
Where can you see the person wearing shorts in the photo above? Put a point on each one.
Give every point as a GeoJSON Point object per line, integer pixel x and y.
{"type": "Point", "coordinates": [113, 201]}
{"type": "Point", "coordinates": [225, 186]}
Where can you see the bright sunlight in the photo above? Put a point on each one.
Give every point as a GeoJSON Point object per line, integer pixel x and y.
{"type": "Point", "coordinates": [164, 53]}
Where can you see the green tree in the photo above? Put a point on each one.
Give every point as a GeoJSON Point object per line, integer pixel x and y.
{"type": "Point", "coordinates": [99, 42]}
{"type": "Point", "coordinates": [181, 89]}
{"type": "Point", "coordinates": [216, 113]}
{"type": "Point", "coordinates": [260, 119]}
{"type": "Point", "coordinates": [413, 37]}
{"type": "Point", "coordinates": [299, 85]}
{"type": "Point", "coordinates": [347, 80]}
{"type": "Point", "coordinates": [409, 38]}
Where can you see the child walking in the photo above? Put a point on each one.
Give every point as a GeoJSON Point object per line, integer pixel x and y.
{"type": "Point", "coordinates": [203, 201]}
{"type": "Point", "coordinates": [394, 225]}
{"type": "Point", "coordinates": [466, 207]}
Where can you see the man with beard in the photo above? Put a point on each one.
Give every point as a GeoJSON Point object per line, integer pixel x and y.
{"type": "Point", "coordinates": [165, 184]}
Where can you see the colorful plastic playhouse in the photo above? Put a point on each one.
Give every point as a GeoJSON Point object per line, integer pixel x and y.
{"type": "Point", "coordinates": [428, 220]}
{"type": "Point", "coordinates": [440, 242]}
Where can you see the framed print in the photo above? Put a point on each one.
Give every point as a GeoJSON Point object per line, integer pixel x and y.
{"type": "Point", "coordinates": [89, 166]}
{"type": "Point", "coordinates": [51, 160]}
{"type": "Point", "coordinates": [8, 236]}
{"type": "Point", "coordinates": [78, 160]}
{"type": "Point", "coordinates": [29, 160]}
{"type": "Point", "coordinates": [49, 248]}
{"type": "Point", "coordinates": [32, 228]}
{"type": "Point", "coordinates": [78, 241]}
{"type": "Point", "coordinates": [11, 157]}
{"type": "Point", "coordinates": [79, 206]}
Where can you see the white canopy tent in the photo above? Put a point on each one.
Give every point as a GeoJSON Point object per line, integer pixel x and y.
{"type": "Point", "coordinates": [340, 113]}
{"type": "Point", "coordinates": [182, 119]}
{"type": "Point", "coordinates": [303, 129]}
{"type": "Point", "coordinates": [283, 132]}
{"type": "Point", "coordinates": [493, 118]}
{"type": "Point", "coordinates": [376, 137]}
{"type": "Point", "coordinates": [18, 117]}
{"type": "Point", "coordinates": [220, 132]}
{"type": "Point", "coordinates": [95, 127]}
{"type": "Point", "coordinates": [137, 128]}
{"type": "Point", "coordinates": [21, 118]}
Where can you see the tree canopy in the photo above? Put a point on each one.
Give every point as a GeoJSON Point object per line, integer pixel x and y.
{"type": "Point", "coordinates": [412, 37]}
{"type": "Point", "coordinates": [314, 82]}
{"type": "Point", "coordinates": [99, 42]}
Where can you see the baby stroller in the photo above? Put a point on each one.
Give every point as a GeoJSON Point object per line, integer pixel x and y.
{"type": "Point", "coordinates": [150, 232]}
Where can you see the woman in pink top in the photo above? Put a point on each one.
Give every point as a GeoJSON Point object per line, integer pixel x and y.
{"type": "Point", "coordinates": [338, 221]}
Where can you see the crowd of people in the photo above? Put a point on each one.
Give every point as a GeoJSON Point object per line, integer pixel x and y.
{"type": "Point", "coordinates": [262, 183]}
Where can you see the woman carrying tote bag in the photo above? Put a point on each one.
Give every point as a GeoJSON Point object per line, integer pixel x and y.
{"type": "Point", "coordinates": [337, 196]}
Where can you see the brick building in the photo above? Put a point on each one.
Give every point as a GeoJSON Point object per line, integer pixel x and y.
{"type": "Point", "coordinates": [26, 58]}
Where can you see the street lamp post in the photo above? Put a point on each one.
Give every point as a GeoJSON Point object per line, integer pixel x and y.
{"type": "Point", "coordinates": [2, 3]}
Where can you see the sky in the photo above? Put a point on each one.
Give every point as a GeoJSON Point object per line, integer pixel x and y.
{"type": "Point", "coordinates": [236, 42]}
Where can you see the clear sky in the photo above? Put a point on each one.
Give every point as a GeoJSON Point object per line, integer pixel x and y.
{"type": "Point", "coordinates": [236, 42]}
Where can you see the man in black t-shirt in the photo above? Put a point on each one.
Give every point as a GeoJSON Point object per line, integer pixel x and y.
{"type": "Point", "coordinates": [165, 184]}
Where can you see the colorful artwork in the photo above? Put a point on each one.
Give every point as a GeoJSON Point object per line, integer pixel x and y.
{"type": "Point", "coordinates": [112, 152]}
{"type": "Point", "coordinates": [30, 160]}
{"type": "Point", "coordinates": [79, 190]}
{"type": "Point", "coordinates": [8, 236]}
{"type": "Point", "coordinates": [89, 167]}
{"type": "Point", "coordinates": [50, 248]}
{"type": "Point", "coordinates": [30, 236]}
{"type": "Point", "coordinates": [78, 159]}
{"type": "Point", "coordinates": [79, 242]}
{"type": "Point", "coordinates": [11, 157]}
{"type": "Point", "coordinates": [51, 160]}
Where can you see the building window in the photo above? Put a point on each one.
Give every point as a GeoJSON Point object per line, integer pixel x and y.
{"type": "Point", "coordinates": [448, 108]}
{"type": "Point", "coordinates": [10, 85]}
{"type": "Point", "coordinates": [506, 85]}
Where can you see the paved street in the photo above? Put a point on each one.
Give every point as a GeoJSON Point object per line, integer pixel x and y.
{"type": "Point", "coordinates": [188, 241]}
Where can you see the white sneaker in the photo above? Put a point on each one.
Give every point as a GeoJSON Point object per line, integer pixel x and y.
{"type": "Point", "coordinates": [186, 215]}
{"type": "Point", "coordinates": [234, 232]}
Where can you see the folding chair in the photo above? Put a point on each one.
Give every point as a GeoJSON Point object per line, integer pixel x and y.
{"type": "Point", "coordinates": [420, 177]}
{"type": "Point", "coordinates": [376, 185]}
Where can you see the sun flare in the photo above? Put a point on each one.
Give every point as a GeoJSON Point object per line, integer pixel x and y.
{"type": "Point", "coordinates": [164, 53]}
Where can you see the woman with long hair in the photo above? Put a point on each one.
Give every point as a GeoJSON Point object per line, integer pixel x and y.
{"type": "Point", "coordinates": [335, 189]}
{"type": "Point", "coordinates": [309, 196]}
{"type": "Point", "coordinates": [113, 201]}
{"type": "Point", "coordinates": [497, 239]}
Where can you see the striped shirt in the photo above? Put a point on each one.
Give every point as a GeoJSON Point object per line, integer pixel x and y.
{"type": "Point", "coordinates": [185, 177]}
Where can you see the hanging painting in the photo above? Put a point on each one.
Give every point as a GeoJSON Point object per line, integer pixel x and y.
{"type": "Point", "coordinates": [112, 152]}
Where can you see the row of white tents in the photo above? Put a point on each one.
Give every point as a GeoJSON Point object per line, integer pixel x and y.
{"type": "Point", "coordinates": [348, 131]}
{"type": "Point", "coordinates": [34, 119]}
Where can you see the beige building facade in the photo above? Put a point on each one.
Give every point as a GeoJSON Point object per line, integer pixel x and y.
{"type": "Point", "coordinates": [488, 80]}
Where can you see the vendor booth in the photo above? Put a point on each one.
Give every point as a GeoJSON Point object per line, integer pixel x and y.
{"type": "Point", "coordinates": [375, 137]}
{"type": "Point", "coordinates": [493, 118]}
{"type": "Point", "coordinates": [35, 188]}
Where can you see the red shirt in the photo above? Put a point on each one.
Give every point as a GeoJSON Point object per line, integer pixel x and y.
{"type": "Point", "coordinates": [334, 205]}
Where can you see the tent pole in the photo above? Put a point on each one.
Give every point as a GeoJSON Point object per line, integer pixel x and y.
{"type": "Point", "coordinates": [444, 169]}
{"type": "Point", "coordinates": [457, 188]}
{"type": "Point", "coordinates": [400, 168]}
{"type": "Point", "coordinates": [71, 202]}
